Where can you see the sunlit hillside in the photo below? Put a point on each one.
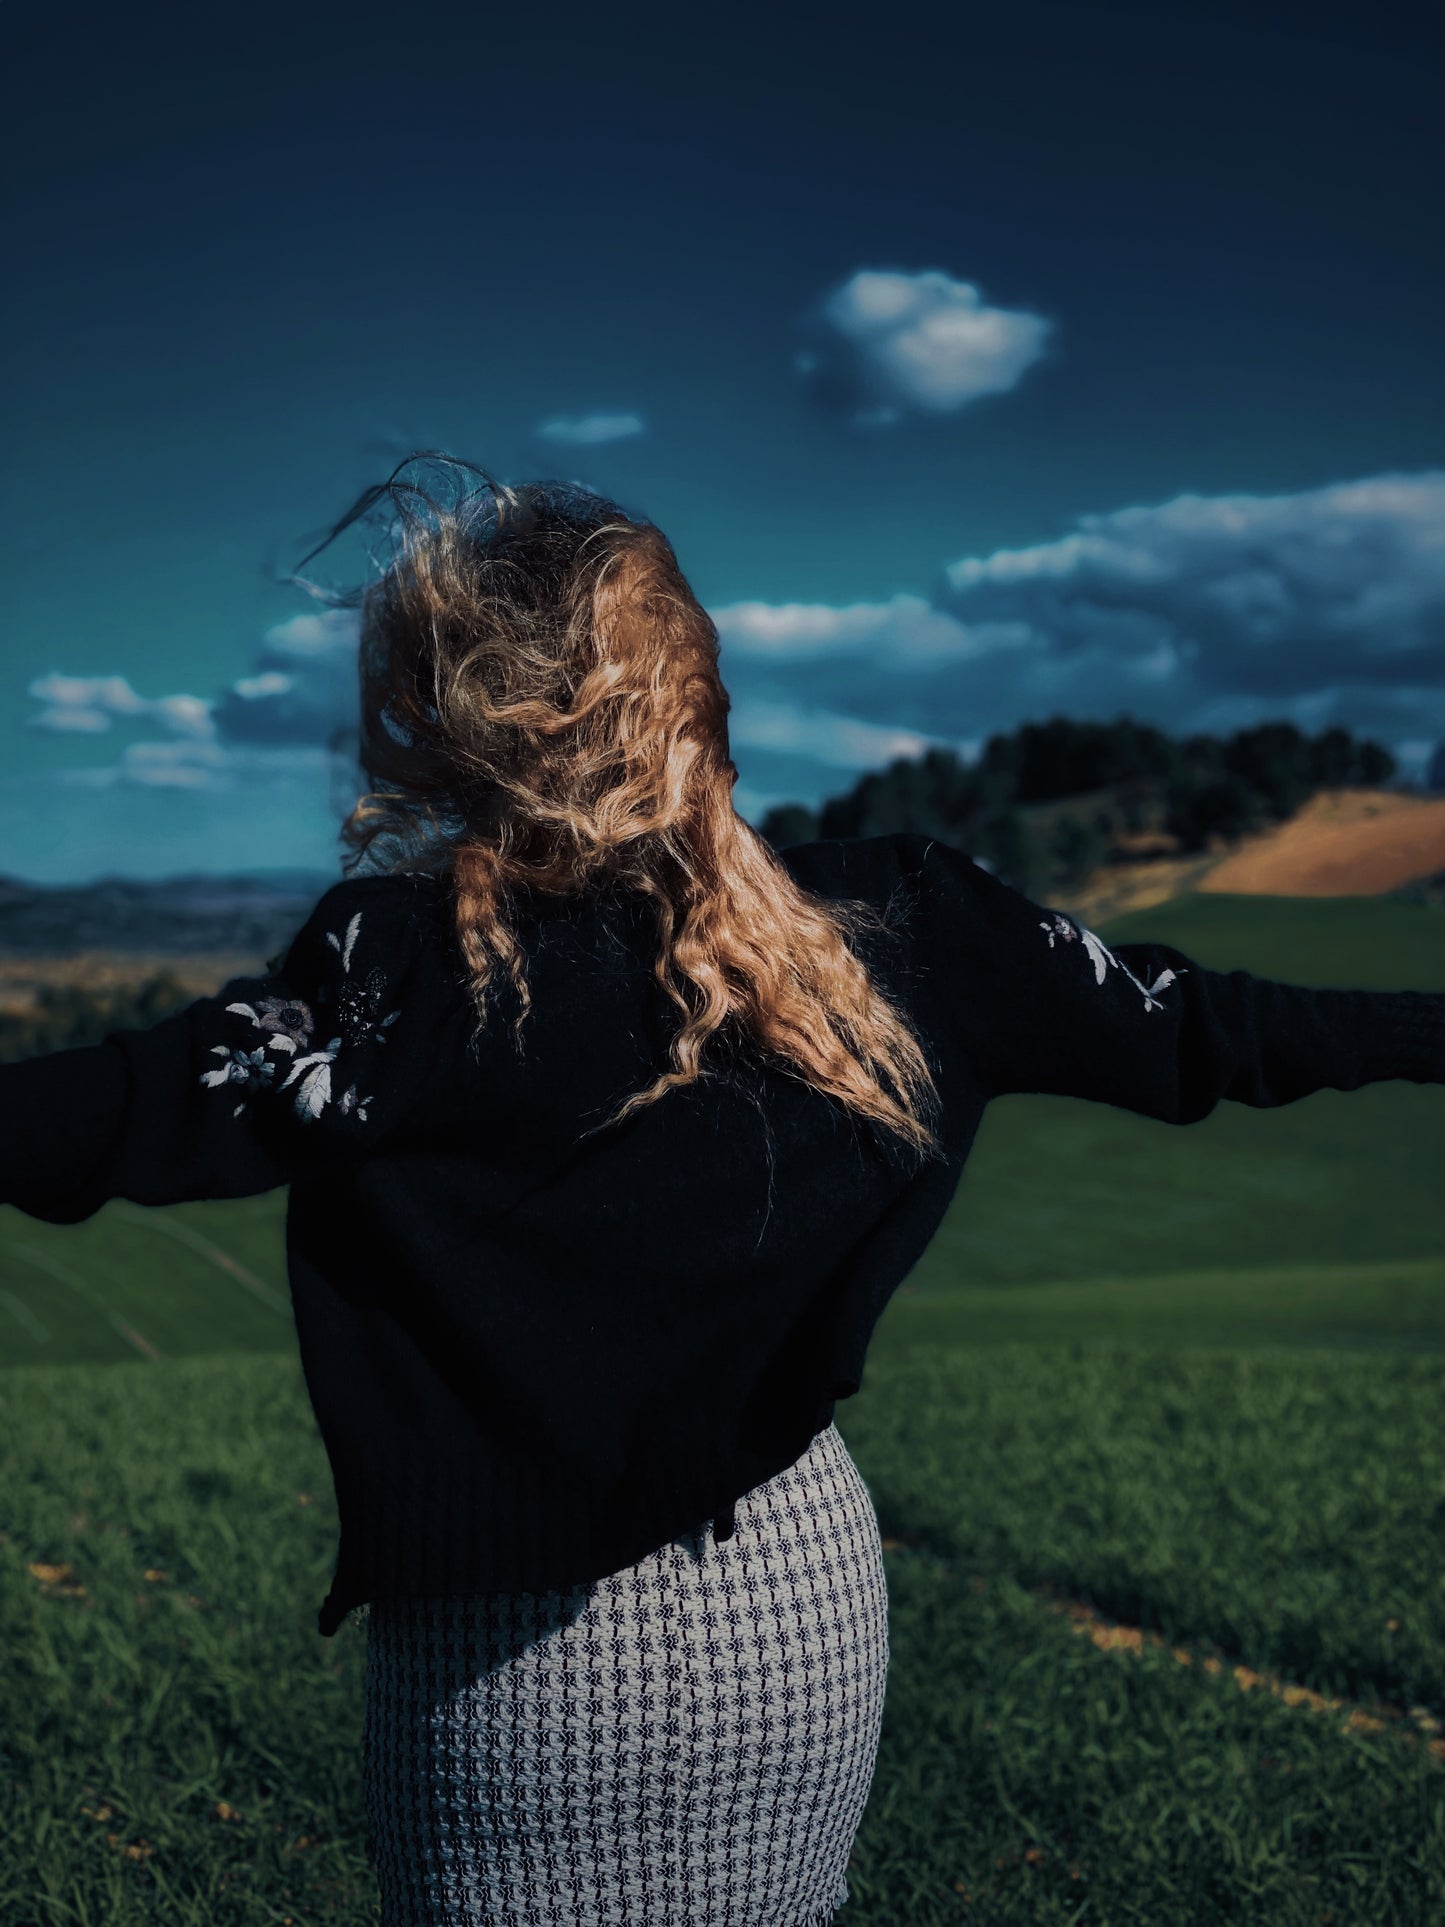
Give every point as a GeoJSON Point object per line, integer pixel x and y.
{"type": "Point", "coordinates": [1341, 843]}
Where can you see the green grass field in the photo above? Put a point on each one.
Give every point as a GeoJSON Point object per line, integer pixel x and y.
{"type": "Point", "coordinates": [1153, 1434]}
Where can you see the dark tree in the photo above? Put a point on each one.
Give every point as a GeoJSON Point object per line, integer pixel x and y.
{"type": "Point", "coordinates": [1014, 851]}
{"type": "Point", "coordinates": [1195, 809]}
{"type": "Point", "coordinates": [1076, 846]}
{"type": "Point", "coordinates": [1201, 786]}
{"type": "Point", "coordinates": [789, 823]}
{"type": "Point", "coordinates": [1273, 760]}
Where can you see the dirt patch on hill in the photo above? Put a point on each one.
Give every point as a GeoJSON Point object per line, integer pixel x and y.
{"type": "Point", "coordinates": [1111, 891]}
{"type": "Point", "coordinates": [1342, 843]}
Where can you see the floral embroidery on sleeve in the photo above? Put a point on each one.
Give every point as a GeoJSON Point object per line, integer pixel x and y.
{"type": "Point", "coordinates": [1058, 925]}
{"type": "Point", "coordinates": [286, 1025]}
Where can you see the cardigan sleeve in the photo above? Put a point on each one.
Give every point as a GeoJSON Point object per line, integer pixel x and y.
{"type": "Point", "coordinates": [1046, 1006]}
{"type": "Point", "coordinates": [276, 1074]}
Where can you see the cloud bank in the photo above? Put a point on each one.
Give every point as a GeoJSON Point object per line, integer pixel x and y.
{"type": "Point", "coordinates": [1325, 606]}
{"type": "Point", "coordinates": [1269, 594]}
{"type": "Point", "coordinates": [886, 344]}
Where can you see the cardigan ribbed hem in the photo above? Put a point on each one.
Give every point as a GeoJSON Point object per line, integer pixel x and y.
{"type": "Point", "coordinates": [432, 1530]}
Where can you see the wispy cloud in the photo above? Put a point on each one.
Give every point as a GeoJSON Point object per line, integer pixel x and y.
{"type": "Point", "coordinates": [192, 765]}
{"type": "Point", "coordinates": [588, 431]}
{"type": "Point", "coordinates": [886, 343]}
{"type": "Point", "coordinates": [276, 723]}
{"type": "Point", "coordinates": [89, 704]}
{"type": "Point", "coordinates": [905, 627]}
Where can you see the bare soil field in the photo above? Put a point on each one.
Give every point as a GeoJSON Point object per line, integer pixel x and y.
{"type": "Point", "coordinates": [1343, 843]}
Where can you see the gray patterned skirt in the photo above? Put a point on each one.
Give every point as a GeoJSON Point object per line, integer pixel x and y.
{"type": "Point", "coordinates": [687, 1743]}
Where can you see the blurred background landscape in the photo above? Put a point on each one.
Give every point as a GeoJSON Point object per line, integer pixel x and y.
{"type": "Point", "coordinates": [1097, 818]}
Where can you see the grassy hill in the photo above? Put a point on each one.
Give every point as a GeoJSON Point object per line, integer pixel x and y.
{"type": "Point", "coordinates": [1167, 1643]}
{"type": "Point", "coordinates": [1153, 1438]}
{"type": "Point", "coordinates": [1060, 1190]}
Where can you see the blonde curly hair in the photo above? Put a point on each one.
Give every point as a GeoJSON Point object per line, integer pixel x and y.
{"type": "Point", "coordinates": [541, 708]}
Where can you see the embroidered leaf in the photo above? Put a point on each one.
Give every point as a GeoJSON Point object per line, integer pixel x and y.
{"type": "Point", "coordinates": [314, 1090]}
{"type": "Point", "coordinates": [351, 930]}
{"type": "Point", "coordinates": [1102, 957]}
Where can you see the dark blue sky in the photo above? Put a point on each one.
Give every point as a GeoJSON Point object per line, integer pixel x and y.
{"type": "Point", "coordinates": [1124, 389]}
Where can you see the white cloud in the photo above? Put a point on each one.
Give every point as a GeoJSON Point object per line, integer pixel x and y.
{"type": "Point", "coordinates": [907, 627]}
{"type": "Point", "coordinates": [1278, 594]}
{"type": "Point", "coordinates": [216, 766]}
{"type": "Point", "coordinates": [185, 715]}
{"type": "Point", "coordinates": [303, 688]}
{"type": "Point", "coordinates": [317, 636]}
{"type": "Point", "coordinates": [88, 704]}
{"type": "Point", "coordinates": [842, 742]}
{"type": "Point", "coordinates": [886, 343]}
{"type": "Point", "coordinates": [275, 725]}
{"type": "Point", "coordinates": [588, 431]}
{"type": "Point", "coordinates": [72, 716]}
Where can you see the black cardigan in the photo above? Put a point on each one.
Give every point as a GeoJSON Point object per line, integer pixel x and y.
{"type": "Point", "coordinates": [536, 1354]}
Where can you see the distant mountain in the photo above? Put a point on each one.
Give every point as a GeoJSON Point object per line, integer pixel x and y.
{"type": "Point", "coordinates": [258, 912]}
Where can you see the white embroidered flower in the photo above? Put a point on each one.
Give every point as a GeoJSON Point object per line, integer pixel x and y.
{"type": "Point", "coordinates": [247, 1068]}
{"type": "Point", "coordinates": [286, 1023]}
{"type": "Point", "coordinates": [287, 1018]}
{"type": "Point", "coordinates": [1103, 957]}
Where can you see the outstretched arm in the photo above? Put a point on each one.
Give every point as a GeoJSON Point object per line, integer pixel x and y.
{"type": "Point", "coordinates": [1141, 1025]}
{"type": "Point", "coordinates": [232, 1096]}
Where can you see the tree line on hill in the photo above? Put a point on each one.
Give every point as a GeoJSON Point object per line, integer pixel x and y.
{"type": "Point", "coordinates": [1044, 804]}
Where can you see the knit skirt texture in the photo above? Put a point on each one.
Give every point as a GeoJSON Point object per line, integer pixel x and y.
{"type": "Point", "coordinates": [689, 1742]}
